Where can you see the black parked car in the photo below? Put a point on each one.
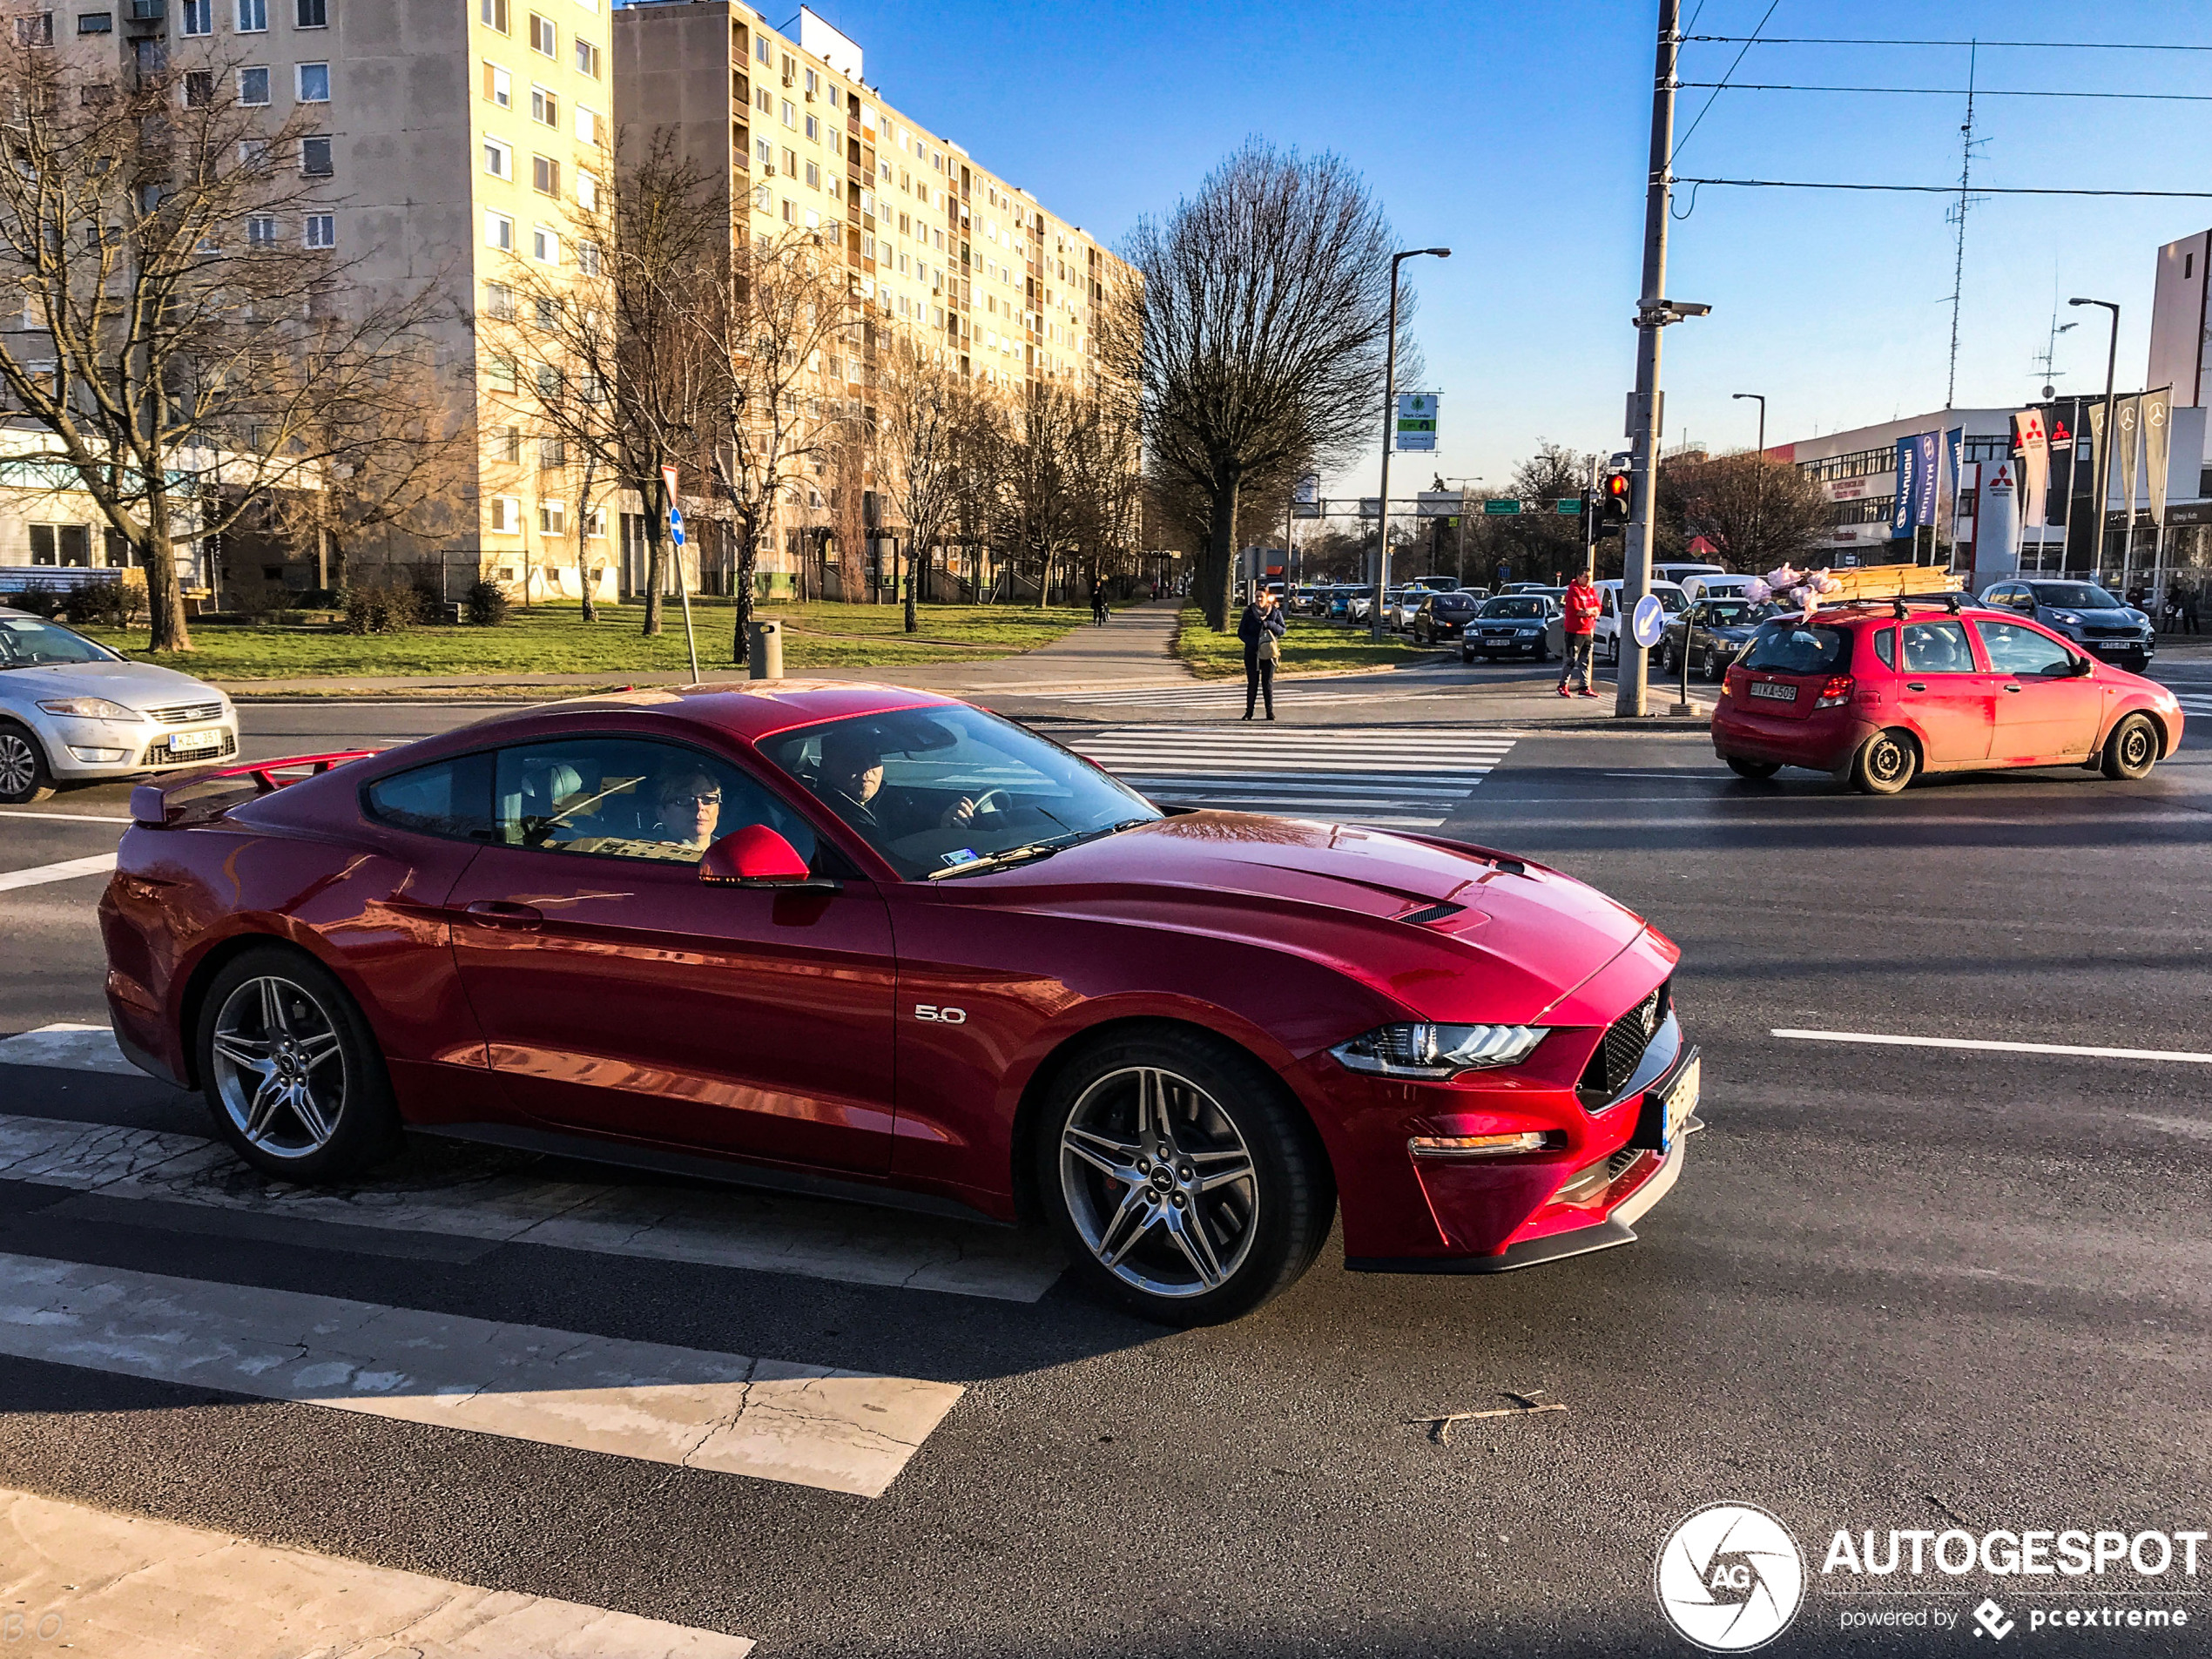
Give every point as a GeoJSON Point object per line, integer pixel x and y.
{"type": "Point", "coordinates": [1510, 626]}
{"type": "Point", "coordinates": [1443, 615]}
{"type": "Point", "coordinates": [1717, 629]}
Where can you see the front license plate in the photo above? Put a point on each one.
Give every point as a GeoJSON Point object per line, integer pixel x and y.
{"type": "Point", "coordinates": [192, 743]}
{"type": "Point", "coordinates": [1775, 691]}
{"type": "Point", "coordinates": [1681, 1099]}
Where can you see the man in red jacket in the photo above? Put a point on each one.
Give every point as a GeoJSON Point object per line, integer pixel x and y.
{"type": "Point", "coordinates": [1579, 628]}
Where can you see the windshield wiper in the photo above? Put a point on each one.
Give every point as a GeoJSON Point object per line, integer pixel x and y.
{"type": "Point", "coordinates": [1032, 851]}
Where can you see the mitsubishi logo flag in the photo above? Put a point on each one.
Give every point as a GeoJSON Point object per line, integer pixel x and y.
{"type": "Point", "coordinates": [1916, 483]}
{"type": "Point", "coordinates": [2034, 448]}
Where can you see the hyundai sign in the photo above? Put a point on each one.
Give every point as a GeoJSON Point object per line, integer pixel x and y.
{"type": "Point", "coordinates": [1916, 484]}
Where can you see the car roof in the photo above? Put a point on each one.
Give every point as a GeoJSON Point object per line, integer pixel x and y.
{"type": "Point", "coordinates": [747, 709]}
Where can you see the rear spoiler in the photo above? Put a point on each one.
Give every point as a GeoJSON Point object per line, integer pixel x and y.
{"type": "Point", "coordinates": [200, 796]}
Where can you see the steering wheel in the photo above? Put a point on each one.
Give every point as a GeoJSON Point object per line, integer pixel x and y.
{"type": "Point", "coordinates": [992, 801]}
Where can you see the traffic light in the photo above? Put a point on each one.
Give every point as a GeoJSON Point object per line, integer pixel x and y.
{"type": "Point", "coordinates": [1615, 489]}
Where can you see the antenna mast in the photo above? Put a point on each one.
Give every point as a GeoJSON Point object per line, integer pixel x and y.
{"type": "Point", "coordinates": [1959, 220]}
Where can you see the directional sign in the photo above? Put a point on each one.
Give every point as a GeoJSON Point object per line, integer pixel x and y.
{"type": "Point", "coordinates": [1501, 509]}
{"type": "Point", "coordinates": [676, 525]}
{"type": "Point", "coordinates": [1572, 506]}
{"type": "Point", "coordinates": [1647, 622]}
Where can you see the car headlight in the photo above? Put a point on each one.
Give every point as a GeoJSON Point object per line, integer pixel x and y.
{"type": "Point", "coordinates": [2066, 617]}
{"type": "Point", "coordinates": [89, 708]}
{"type": "Point", "coordinates": [1423, 1050]}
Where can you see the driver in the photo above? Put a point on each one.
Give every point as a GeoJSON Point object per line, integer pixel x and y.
{"type": "Point", "coordinates": [852, 782]}
{"type": "Point", "coordinates": [689, 806]}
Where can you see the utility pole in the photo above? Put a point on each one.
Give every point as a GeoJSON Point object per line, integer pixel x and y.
{"type": "Point", "coordinates": [1653, 312]}
{"type": "Point", "coordinates": [1375, 630]}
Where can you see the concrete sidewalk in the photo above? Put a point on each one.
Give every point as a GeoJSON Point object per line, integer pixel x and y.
{"type": "Point", "coordinates": [1135, 645]}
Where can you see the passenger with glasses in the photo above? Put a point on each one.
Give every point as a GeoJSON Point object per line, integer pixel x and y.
{"type": "Point", "coordinates": [689, 804]}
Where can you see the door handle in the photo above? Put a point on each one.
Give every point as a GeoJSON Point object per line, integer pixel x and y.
{"type": "Point", "coordinates": [1916, 686]}
{"type": "Point", "coordinates": [2011, 688]}
{"type": "Point", "coordinates": [501, 913]}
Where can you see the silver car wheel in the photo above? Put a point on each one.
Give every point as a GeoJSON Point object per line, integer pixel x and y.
{"type": "Point", "coordinates": [19, 764]}
{"type": "Point", "coordinates": [279, 1068]}
{"type": "Point", "coordinates": [1160, 1185]}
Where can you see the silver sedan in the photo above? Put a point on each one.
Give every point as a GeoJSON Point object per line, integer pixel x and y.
{"type": "Point", "coordinates": [73, 712]}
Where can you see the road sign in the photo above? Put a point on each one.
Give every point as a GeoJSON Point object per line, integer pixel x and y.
{"type": "Point", "coordinates": [1647, 622]}
{"type": "Point", "coordinates": [1438, 503]}
{"type": "Point", "coordinates": [1371, 506]}
{"type": "Point", "coordinates": [1305, 499]}
{"type": "Point", "coordinates": [1572, 508]}
{"type": "Point", "coordinates": [1416, 423]}
{"type": "Point", "coordinates": [1501, 509]}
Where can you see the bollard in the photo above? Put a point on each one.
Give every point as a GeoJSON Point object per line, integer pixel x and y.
{"type": "Point", "coordinates": [766, 657]}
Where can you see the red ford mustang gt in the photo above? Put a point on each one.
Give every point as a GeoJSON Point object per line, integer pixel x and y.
{"type": "Point", "coordinates": [868, 943]}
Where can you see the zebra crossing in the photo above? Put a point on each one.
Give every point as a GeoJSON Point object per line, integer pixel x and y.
{"type": "Point", "coordinates": [1220, 697]}
{"type": "Point", "coordinates": [1389, 777]}
{"type": "Point", "coordinates": [2197, 705]}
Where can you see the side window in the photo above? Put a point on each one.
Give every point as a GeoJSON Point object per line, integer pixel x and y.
{"type": "Point", "coordinates": [624, 798]}
{"type": "Point", "coordinates": [2015, 650]}
{"type": "Point", "coordinates": [452, 797]}
{"type": "Point", "coordinates": [1886, 646]}
{"type": "Point", "coordinates": [1938, 648]}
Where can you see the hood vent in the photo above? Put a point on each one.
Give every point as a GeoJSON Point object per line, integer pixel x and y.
{"type": "Point", "coordinates": [1431, 912]}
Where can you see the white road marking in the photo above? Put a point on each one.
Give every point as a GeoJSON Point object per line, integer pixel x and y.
{"type": "Point", "coordinates": [1394, 777]}
{"type": "Point", "coordinates": [131, 1586]}
{"type": "Point", "coordinates": [1200, 696]}
{"type": "Point", "coordinates": [2195, 1128]}
{"type": "Point", "coordinates": [68, 870]}
{"type": "Point", "coordinates": [810, 1426]}
{"type": "Point", "coordinates": [2181, 1055]}
{"type": "Point", "coordinates": [63, 817]}
{"type": "Point", "coordinates": [68, 1047]}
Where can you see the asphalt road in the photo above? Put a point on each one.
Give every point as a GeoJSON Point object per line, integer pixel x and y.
{"type": "Point", "coordinates": [1897, 1288]}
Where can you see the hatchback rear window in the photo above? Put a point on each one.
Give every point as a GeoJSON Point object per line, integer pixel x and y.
{"type": "Point", "coordinates": [1791, 647]}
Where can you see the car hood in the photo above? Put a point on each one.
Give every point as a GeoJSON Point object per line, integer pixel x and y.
{"type": "Point", "coordinates": [137, 685]}
{"type": "Point", "coordinates": [1520, 940]}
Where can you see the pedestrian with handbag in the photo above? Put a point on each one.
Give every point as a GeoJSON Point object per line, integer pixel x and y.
{"type": "Point", "coordinates": [1261, 628]}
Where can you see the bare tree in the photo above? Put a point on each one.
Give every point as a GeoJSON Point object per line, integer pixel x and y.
{"type": "Point", "coordinates": [785, 328]}
{"type": "Point", "coordinates": [1042, 504]}
{"type": "Point", "coordinates": [980, 443]}
{"type": "Point", "coordinates": [200, 355]}
{"type": "Point", "coordinates": [921, 406]}
{"type": "Point", "coordinates": [613, 355]}
{"type": "Point", "coordinates": [1254, 325]}
{"type": "Point", "coordinates": [1757, 512]}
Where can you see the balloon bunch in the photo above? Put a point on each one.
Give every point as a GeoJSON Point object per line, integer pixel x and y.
{"type": "Point", "coordinates": [1794, 587]}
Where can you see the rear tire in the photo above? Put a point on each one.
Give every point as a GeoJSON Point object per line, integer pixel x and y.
{"type": "Point", "coordinates": [1152, 1130]}
{"type": "Point", "coordinates": [1756, 771]}
{"type": "Point", "coordinates": [291, 1071]}
{"type": "Point", "coordinates": [2131, 751]}
{"type": "Point", "coordinates": [1885, 764]}
{"type": "Point", "coordinates": [24, 778]}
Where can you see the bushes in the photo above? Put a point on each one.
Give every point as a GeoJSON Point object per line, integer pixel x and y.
{"type": "Point", "coordinates": [112, 601]}
{"type": "Point", "coordinates": [487, 603]}
{"type": "Point", "coordinates": [40, 601]}
{"type": "Point", "coordinates": [380, 608]}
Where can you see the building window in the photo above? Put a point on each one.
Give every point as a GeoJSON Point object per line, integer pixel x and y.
{"type": "Point", "coordinates": [507, 443]}
{"type": "Point", "coordinates": [791, 211]}
{"type": "Point", "coordinates": [499, 301]}
{"type": "Point", "coordinates": [814, 128]}
{"type": "Point", "coordinates": [813, 176]}
{"type": "Point", "coordinates": [253, 86]}
{"type": "Point", "coordinates": [790, 164]}
{"type": "Point", "coordinates": [322, 230]}
{"type": "Point", "coordinates": [312, 14]}
{"type": "Point", "coordinates": [507, 515]}
{"type": "Point", "coordinates": [552, 515]}
{"type": "Point", "coordinates": [314, 84]}
{"type": "Point", "coordinates": [545, 175]}
{"type": "Point", "coordinates": [587, 258]}
{"type": "Point", "coordinates": [542, 36]}
{"type": "Point", "coordinates": [587, 126]}
{"type": "Point", "coordinates": [61, 544]}
{"type": "Point", "coordinates": [200, 89]}
{"type": "Point", "coordinates": [595, 523]}
{"type": "Point", "coordinates": [499, 160]}
{"type": "Point", "coordinates": [760, 47]}
{"type": "Point", "coordinates": [545, 106]}
{"type": "Point", "coordinates": [545, 245]}
{"type": "Point", "coordinates": [549, 312]}
{"type": "Point", "coordinates": [493, 15]}
{"type": "Point", "coordinates": [763, 102]}
{"type": "Point", "coordinates": [260, 230]}
{"type": "Point", "coordinates": [587, 190]}
{"type": "Point", "coordinates": [95, 22]}
{"type": "Point", "coordinates": [252, 17]}
{"type": "Point", "coordinates": [587, 57]}
{"type": "Point", "coordinates": [761, 198]}
{"type": "Point", "coordinates": [548, 383]}
{"type": "Point", "coordinates": [499, 86]}
{"type": "Point", "coordinates": [195, 18]}
{"type": "Point", "coordinates": [499, 232]}
{"type": "Point", "coordinates": [315, 158]}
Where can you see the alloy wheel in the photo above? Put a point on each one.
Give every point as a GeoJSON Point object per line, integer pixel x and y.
{"type": "Point", "coordinates": [279, 1067]}
{"type": "Point", "coordinates": [19, 765]}
{"type": "Point", "coordinates": [1160, 1184]}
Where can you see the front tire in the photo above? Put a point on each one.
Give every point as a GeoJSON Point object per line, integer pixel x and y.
{"type": "Point", "coordinates": [1884, 765]}
{"type": "Point", "coordinates": [2131, 751]}
{"type": "Point", "coordinates": [1183, 1182]}
{"type": "Point", "coordinates": [291, 1071]}
{"type": "Point", "coordinates": [24, 778]}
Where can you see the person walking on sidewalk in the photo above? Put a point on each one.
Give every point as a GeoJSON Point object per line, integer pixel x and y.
{"type": "Point", "coordinates": [1098, 611]}
{"type": "Point", "coordinates": [1260, 627]}
{"type": "Point", "coordinates": [1579, 629]}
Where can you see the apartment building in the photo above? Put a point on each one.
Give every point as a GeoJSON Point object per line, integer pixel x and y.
{"type": "Point", "coordinates": [936, 244]}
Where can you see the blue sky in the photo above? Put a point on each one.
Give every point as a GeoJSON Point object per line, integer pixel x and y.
{"type": "Point", "coordinates": [1517, 135]}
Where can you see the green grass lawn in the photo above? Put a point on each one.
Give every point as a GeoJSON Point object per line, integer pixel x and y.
{"type": "Point", "coordinates": [552, 639]}
{"type": "Point", "coordinates": [1311, 647]}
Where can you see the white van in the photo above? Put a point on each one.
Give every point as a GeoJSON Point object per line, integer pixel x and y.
{"type": "Point", "coordinates": [1716, 587]}
{"type": "Point", "coordinates": [1679, 570]}
{"type": "Point", "coordinates": [1605, 642]}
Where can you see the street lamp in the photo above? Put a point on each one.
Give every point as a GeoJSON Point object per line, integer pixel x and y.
{"type": "Point", "coordinates": [2105, 442]}
{"type": "Point", "coordinates": [1760, 399]}
{"type": "Point", "coordinates": [1758, 516]}
{"type": "Point", "coordinates": [1390, 402]}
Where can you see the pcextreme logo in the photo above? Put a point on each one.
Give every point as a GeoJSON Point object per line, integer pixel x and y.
{"type": "Point", "coordinates": [1729, 1577]}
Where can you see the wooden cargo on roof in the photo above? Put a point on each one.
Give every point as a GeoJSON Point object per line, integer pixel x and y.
{"type": "Point", "coordinates": [1877, 582]}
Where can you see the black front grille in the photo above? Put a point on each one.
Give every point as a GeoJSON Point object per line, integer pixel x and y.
{"type": "Point", "coordinates": [1621, 1049]}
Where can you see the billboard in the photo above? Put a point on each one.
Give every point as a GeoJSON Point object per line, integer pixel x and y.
{"type": "Point", "coordinates": [1415, 425]}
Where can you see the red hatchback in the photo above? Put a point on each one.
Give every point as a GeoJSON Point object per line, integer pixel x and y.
{"type": "Point", "coordinates": [867, 942]}
{"type": "Point", "coordinates": [1877, 695]}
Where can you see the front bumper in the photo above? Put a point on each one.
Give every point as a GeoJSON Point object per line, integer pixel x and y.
{"type": "Point", "coordinates": [80, 750]}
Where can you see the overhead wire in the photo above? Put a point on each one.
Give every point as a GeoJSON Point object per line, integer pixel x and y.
{"type": "Point", "coordinates": [1947, 190]}
{"type": "Point", "coordinates": [1954, 92]}
{"type": "Point", "coordinates": [1717, 86]}
{"type": "Point", "coordinates": [1756, 38]}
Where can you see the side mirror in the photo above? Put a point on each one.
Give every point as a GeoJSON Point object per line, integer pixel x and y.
{"type": "Point", "coordinates": [2081, 665]}
{"type": "Point", "coordinates": [753, 857]}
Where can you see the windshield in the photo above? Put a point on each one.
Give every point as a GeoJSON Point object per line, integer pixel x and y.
{"type": "Point", "coordinates": [1670, 599]}
{"type": "Point", "coordinates": [933, 790]}
{"type": "Point", "coordinates": [1736, 613]}
{"type": "Point", "coordinates": [2074, 596]}
{"type": "Point", "coordinates": [1521, 605]}
{"type": "Point", "coordinates": [1794, 648]}
{"type": "Point", "coordinates": [26, 641]}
